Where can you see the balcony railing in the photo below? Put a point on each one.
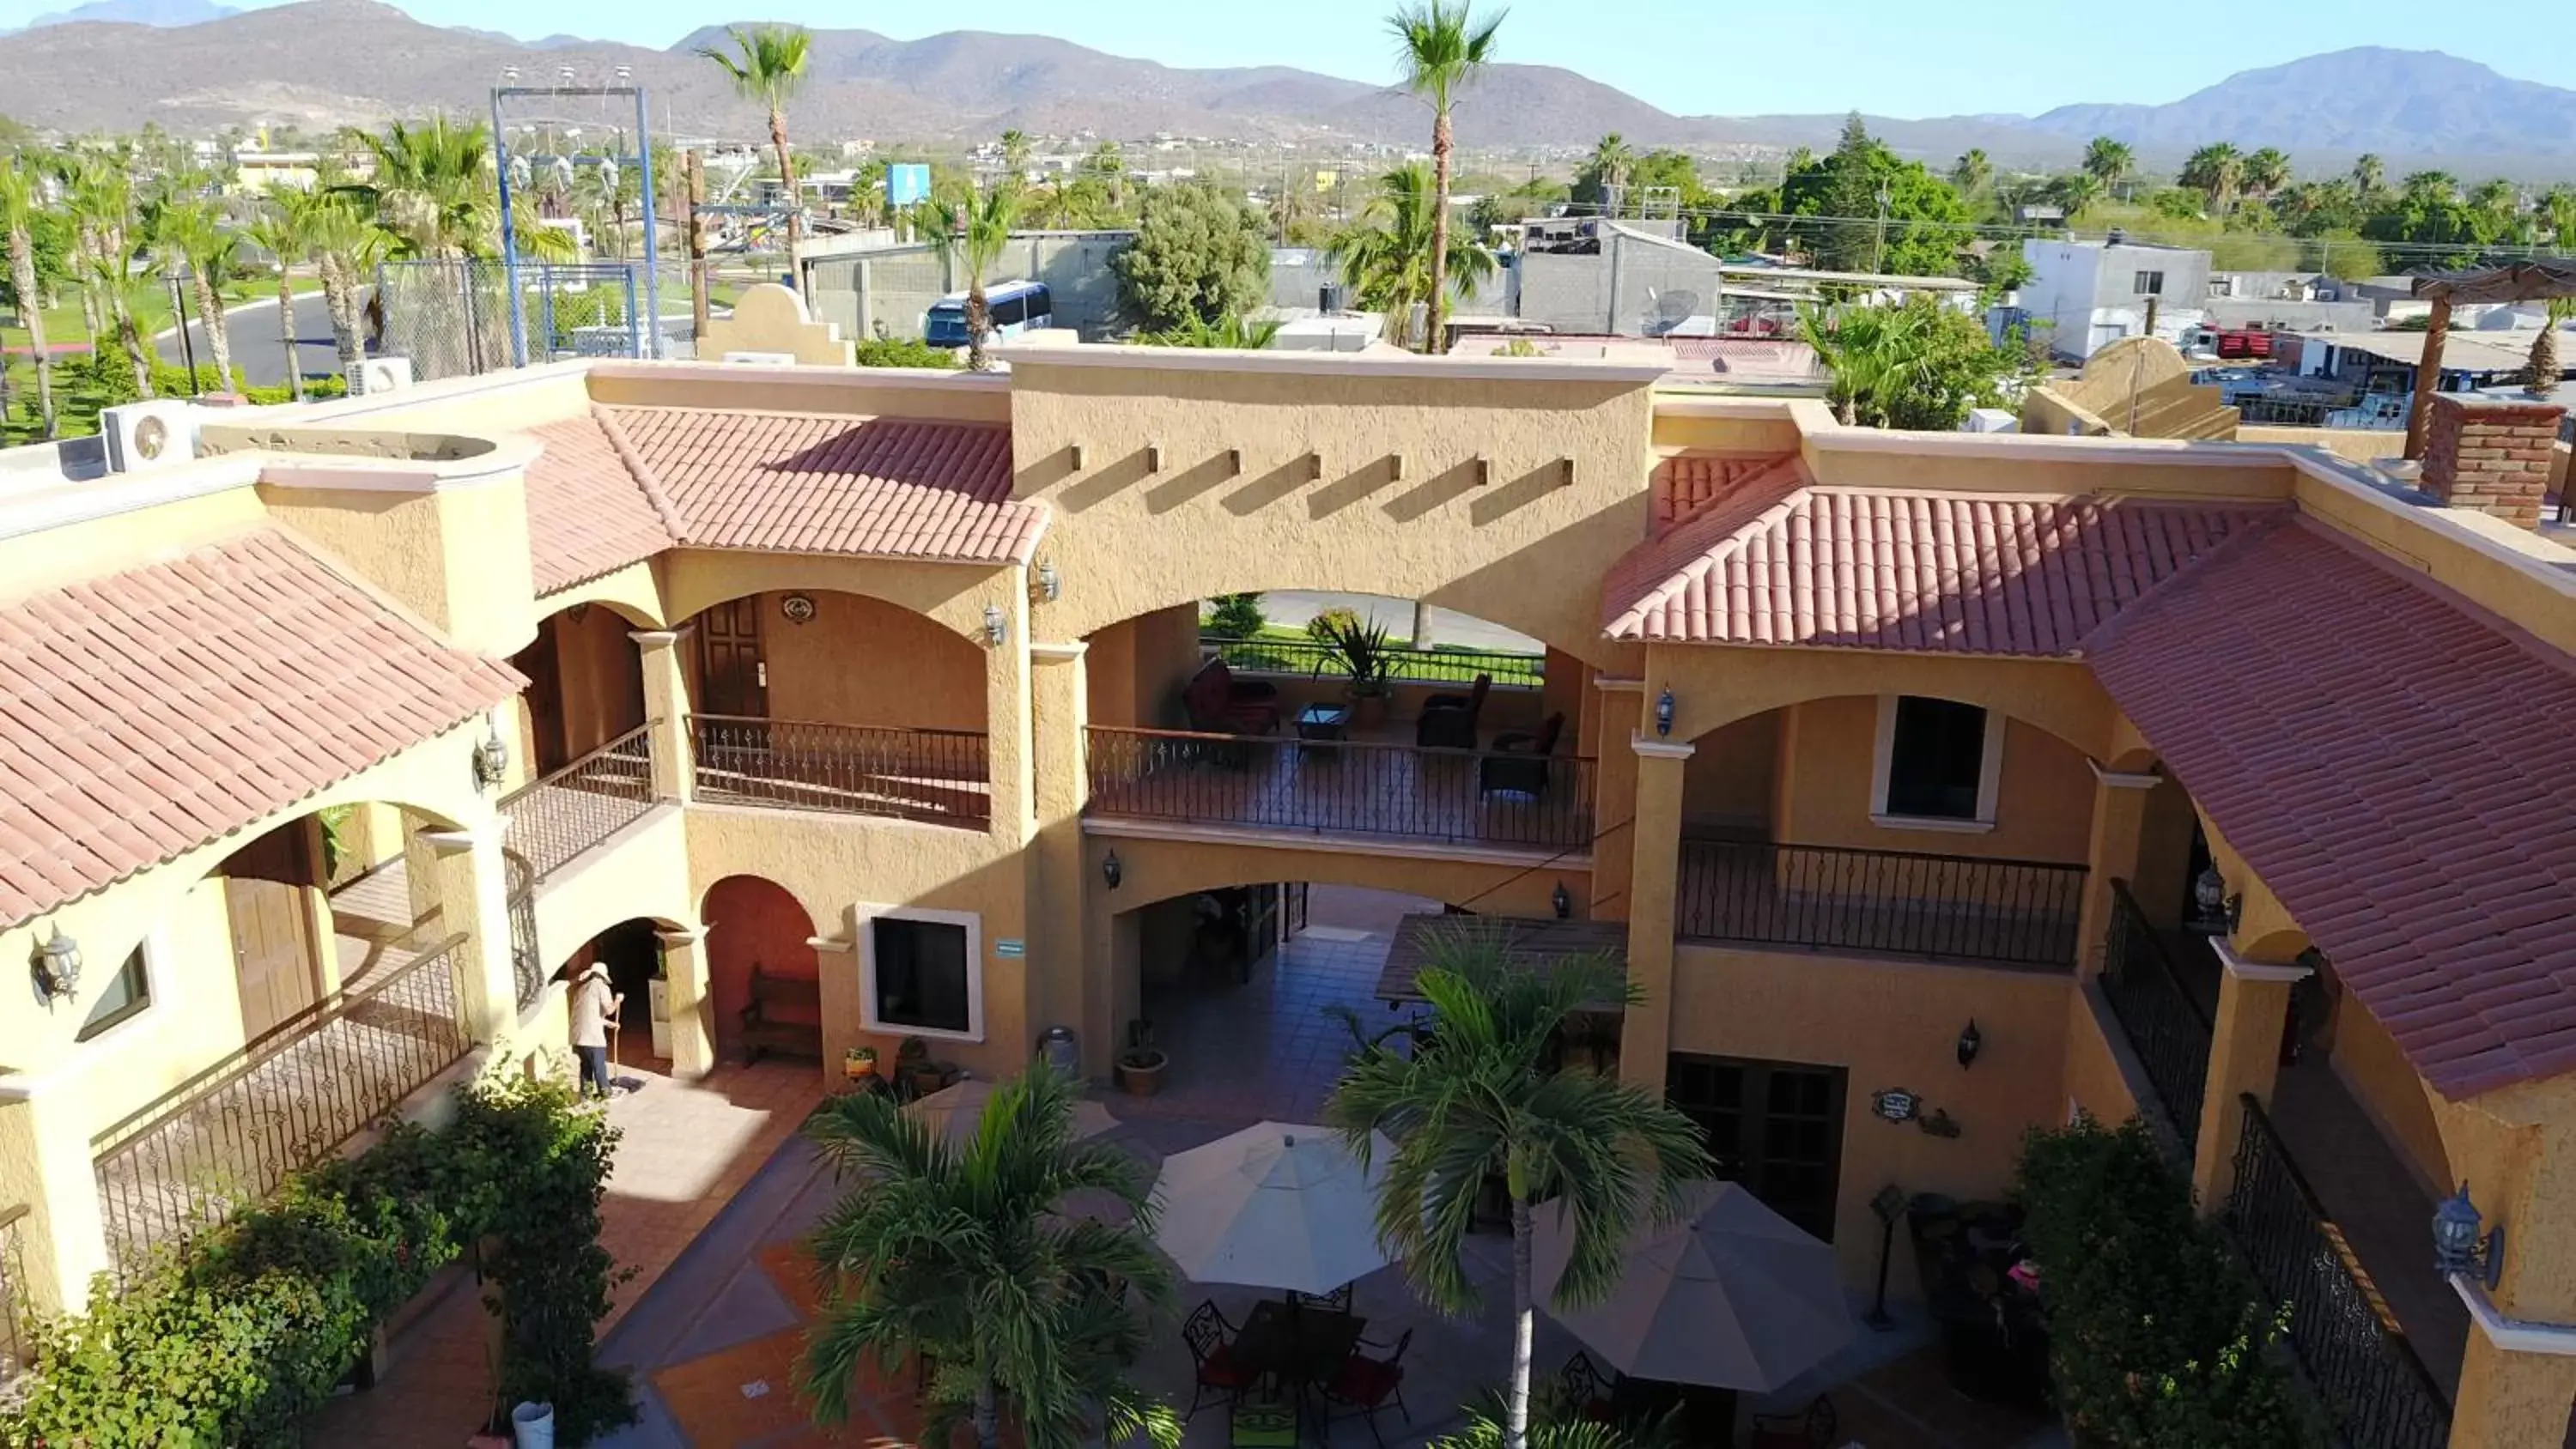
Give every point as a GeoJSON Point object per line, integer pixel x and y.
{"type": "Point", "coordinates": [1408, 666]}
{"type": "Point", "coordinates": [558, 816]}
{"type": "Point", "coordinates": [1347, 787]}
{"type": "Point", "coordinates": [2369, 1375]}
{"type": "Point", "coordinates": [233, 1132]}
{"type": "Point", "coordinates": [1943, 907]}
{"type": "Point", "coordinates": [14, 1309]}
{"type": "Point", "coordinates": [527, 962]}
{"type": "Point", "coordinates": [940, 776]}
{"type": "Point", "coordinates": [2165, 1025]}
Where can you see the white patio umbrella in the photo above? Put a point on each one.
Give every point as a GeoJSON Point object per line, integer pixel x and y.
{"type": "Point", "coordinates": [951, 1113]}
{"type": "Point", "coordinates": [1732, 1295]}
{"type": "Point", "coordinates": [1275, 1205]}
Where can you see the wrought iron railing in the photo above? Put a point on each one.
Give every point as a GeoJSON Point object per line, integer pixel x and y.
{"type": "Point", "coordinates": [2165, 1025]}
{"type": "Point", "coordinates": [1317, 660]}
{"type": "Point", "coordinates": [2360, 1361]}
{"type": "Point", "coordinates": [233, 1132]}
{"type": "Point", "coordinates": [931, 775]}
{"type": "Point", "coordinates": [558, 816]}
{"type": "Point", "coordinates": [16, 1341]}
{"type": "Point", "coordinates": [1342, 787]}
{"type": "Point", "coordinates": [527, 962]}
{"type": "Point", "coordinates": [1945, 907]}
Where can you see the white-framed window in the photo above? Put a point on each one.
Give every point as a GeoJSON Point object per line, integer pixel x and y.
{"type": "Point", "coordinates": [2150, 284]}
{"type": "Point", "coordinates": [921, 972]}
{"type": "Point", "coordinates": [121, 995]}
{"type": "Point", "coordinates": [1939, 763]}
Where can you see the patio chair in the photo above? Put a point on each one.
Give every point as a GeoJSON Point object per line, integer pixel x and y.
{"type": "Point", "coordinates": [1218, 703]}
{"type": "Point", "coordinates": [1449, 720]}
{"type": "Point", "coordinates": [1809, 1428]}
{"type": "Point", "coordinates": [1587, 1393]}
{"type": "Point", "coordinates": [1211, 1342]}
{"type": "Point", "coordinates": [1337, 1301]}
{"type": "Point", "coordinates": [1519, 763]}
{"type": "Point", "coordinates": [1369, 1384]}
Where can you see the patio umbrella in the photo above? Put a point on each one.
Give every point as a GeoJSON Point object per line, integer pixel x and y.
{"type": "Point", "coordinates": [952, 1112]}
{"type": "Point", "coordinates": [1731, 1295]}
{"type": "Point", "coordinates": [1273, 1206]}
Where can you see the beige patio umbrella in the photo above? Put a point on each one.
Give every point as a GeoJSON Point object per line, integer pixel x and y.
{"type": "Point", "coordinates": [952, 1112]}
{"type": "Point", "coordinates": [1275, 1205]}
{"type": "Point", "coordinates": [1730, 1295]}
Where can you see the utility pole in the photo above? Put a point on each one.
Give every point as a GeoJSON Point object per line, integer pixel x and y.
{"type": "Point", "coordinates": [694, 175]}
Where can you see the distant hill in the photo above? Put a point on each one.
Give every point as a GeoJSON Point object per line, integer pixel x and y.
{"type": "Point", "coordinates": [137, 12]}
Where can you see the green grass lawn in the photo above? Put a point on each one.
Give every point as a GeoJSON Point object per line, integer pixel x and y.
{"type": "Point", "coordinates": [150, 303]}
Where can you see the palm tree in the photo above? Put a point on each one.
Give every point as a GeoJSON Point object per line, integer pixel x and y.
{"type": "Point", "coordinates": [767, 66]}
{"type": "Point", "coordinates": [193, 237]}
{"type": "Point", "coordinates": [1440, 49]}
{"type": "Point", "coordinates": [2541, 377]}
{"type": "Point", "coordinates": [2075, 191]}
{"type": "Point", "coordinates": [2498, 198]}
{"type": "Point", "coordinates": [1611, 163]}
{"type": "Point", "coordinates": [972, 234]}
{"type": "Point", "coordinates": [17, 232]}
{"type": "Point", "coordinates": [2215, 171]}
{"type": "Point", "coordinates": [1229, 331]}
{"type": "Point", "coordinates": [2267, 171]}
{"type": "Point", "coordinates": [1972, 173]}
{"type": "Point", "coordinates": [962, 1253]}
{"type": "Point", "coordinates": [433, 189]}
{"type": "Point", "coordinates": [1385, 254]}
{"type": "Point", "coordinates": [1015, 152]}
{"type": "Point", "coordinates": [345, 247]}
{"type": "Point", "coordinates": [101, 195]}
{"type": "Point", "coordinates": [2108, 161]}
{"type": "Point", "coordinates": [1478, 1102]}
{"type": "Point", "coordinates": [2369, 175]}
{"type": "Point", "coordinates": [286, 231]}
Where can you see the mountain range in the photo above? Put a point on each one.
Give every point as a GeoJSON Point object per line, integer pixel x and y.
{"type": "Point", "coordinates": [191, 65]}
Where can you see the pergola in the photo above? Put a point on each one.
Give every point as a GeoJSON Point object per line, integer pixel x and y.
{"type": "Point", "coordinates": [2538, 280]}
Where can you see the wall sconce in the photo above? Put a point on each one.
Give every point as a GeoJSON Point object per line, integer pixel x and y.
{"type": "Point", "coordinates": [1050, 583]}
{"type": "Point", "coordinates": [2209, 903]}
{"type": "Point", "coordinates": [1563, 900]}
{"type": "Point", "coordinates": [491, 760]}
{"type": "Point", "coordinates": [1073, 455]}
{"type": "Point", "coordinates": [2457, 1248]}
{"type": "Point", "coordinates": [1110, 870]}
{"type": "Point", "coordinates": [997, 630]}
{"type": "Point", "coordinates": [57, 965]}
{"type": "Point", "coordinates": [1971, 1042]}
{"type": "Point", "coordinates": [1664, 712]}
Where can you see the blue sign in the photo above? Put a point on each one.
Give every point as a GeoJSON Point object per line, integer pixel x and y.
{"type": "Point", "coordinates": [907, 182]}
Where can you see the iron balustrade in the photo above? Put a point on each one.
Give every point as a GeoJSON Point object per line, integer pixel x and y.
{"type": "Point", "coordinates": [2362, 1365]}
{"type": "Point", "coordinates": [556, 817]}
{"type": "Point", "coordinates": [940, 776]}
{"type": "Point", "coordinates": [230, 1134]}
{"type": "Point", "coordinates": [527, 963]}
{"type": "Point", "coordinates": [1316, 660]}
{"type": "Point", "coordinates": [2165, 1025]}
{"type": "Point", "coordinates": [1349, 787]}
{"type": "Point", "coordinates": [1944, 907]}
{"type": "Point", "coordinates": [15, 1339]}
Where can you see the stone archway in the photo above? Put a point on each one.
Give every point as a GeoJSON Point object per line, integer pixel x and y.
{"type": "Point", "coordinates": [757, 929]}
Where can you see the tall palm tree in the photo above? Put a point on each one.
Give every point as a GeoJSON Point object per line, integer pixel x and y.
{"type": "Point", "coordinates": [17, 232]}
{"type": "Point", "coordinates": [2369, 175]}
{"type": "Point", "coordinates": [2267, 171]}
{"type": "Point", "coordinates": [1973, 172]}
{"type": "Point", "coordinates": [2076, 190]}
{"type": "Point", "coordinates": [2108, 161]}
{"type": "Point", "coordinates": [2541, 377]}
{"type": "Point", "coordinates": [345, 247]}
{"type": "Point", "coordinates": [963, 1253]}
{"type": "Point", "coordinates": [285, 231]}
{"type": "Point", "coordinates": [1612, 160]}
{"type": "Point", "coordinates": [973, 231]}
{"type": "Point", "coordinates": [766, 66]}
{"type": "Point", "coordinates": [1015, 152]}
{"type": "Point", "coordinates": [2215, 171]}
{"type": "Point", "coordinates": [1479, 1101]}
{"type": "Point", "coordinates": [1440, 49]}
{"type": "Point", "coordinates": [1385, 254]}
{"type": "Point", "coordinates": [101, 196]}
{"type": "Point", "coordinates": [194, 237]}
{"type": "Point", "coordinates": [433, 188]}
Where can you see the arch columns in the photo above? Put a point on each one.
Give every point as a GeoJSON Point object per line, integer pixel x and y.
{"type": "Point", "coordinates": [666, 712]}
{"type": "Point", "coordinates": [2119, 833]}
{"type": "Point", "coordinates": [1059, 712]}
{"type": "Point", "coordinates": [689, 1002]}
{"type": "Point", "coordinates": [468, 886]}
{"type": "Point", "coordinates": [2244, 1059]}
{"type": "Point", "coordinates": [1646, 1033]}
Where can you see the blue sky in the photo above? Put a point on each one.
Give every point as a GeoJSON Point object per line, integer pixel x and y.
{"type": "Point", "coordinates": [1888, 57]}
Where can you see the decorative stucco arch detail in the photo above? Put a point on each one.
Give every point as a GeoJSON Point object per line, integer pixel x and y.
{"type": "Point", "coordinates": [1711, 688]}
{"type": "Point", "coordinates": [952, 596]}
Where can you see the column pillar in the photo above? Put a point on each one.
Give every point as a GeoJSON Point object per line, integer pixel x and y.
{"type": "Point", "coordinates": [62, 1241]}
{"type": "Point", "coordinates": [2244, 1057]}
{"type": "Point", "coordinates": [1646, 1036]}
{"type": "Point", "coordinates": [2514, 1148]}
{"type": "Point", "coordinates": [472, 893]}
{"type": "Point", "coordinates": [1060, 704]}
{"type": "Point", "coordinates": [1614, 792]}
{"type": "Point", "coordinates": [2514, 1397]}
{"type": "Point", "coordinates": [691, 1004]}
{"type": "Point", "coordinates": [666, 708]}
{"type": "Point", "coordinates": [2119, 830]}
{"type": "Point", "coordinates": [1007, 721]}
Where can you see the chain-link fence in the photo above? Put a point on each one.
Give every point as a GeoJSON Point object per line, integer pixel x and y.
{"type": "Point", "coordinates": [452, 318]}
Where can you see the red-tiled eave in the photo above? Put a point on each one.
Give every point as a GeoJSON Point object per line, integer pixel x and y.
{"type": "Point", "coordinates": [2395, 766]}
{"type": "Point", "coordinates": [154, 711]}
{"type": "Point", "coordinates": [1777, 561]}
{"type": "Point", "coordinates": [588, 514]}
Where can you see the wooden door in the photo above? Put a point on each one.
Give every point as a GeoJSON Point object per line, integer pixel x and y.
{"type": "Point", "coordinates": [1775, 1127]}
{"type": "Point", "coordinates": [542, 662]}
{"type": "Point", "coordinates": [733, 677]}
{"type": "Point", "coordinates": [275, 960]}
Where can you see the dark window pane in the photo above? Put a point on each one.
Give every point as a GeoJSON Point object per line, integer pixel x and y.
{"type": "Point", "coordinates": [1937, 757]}
{"type": "Point", "coordinates": [921, 971]}
{"type": "Point", "coordinates": [126, 994]}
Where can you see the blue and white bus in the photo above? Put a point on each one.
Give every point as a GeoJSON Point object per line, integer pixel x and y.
{"type": "Point", "coordinates": [1016, 307]}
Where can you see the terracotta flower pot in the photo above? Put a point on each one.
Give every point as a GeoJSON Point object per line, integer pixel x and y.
{"type": "Point", "coordinates": [1140, 1074]}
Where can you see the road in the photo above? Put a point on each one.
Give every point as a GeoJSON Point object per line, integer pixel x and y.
{"type": "Point", "coordinates": [258, 358]}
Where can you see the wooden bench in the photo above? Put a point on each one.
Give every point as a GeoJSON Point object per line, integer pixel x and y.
{"type": "Point", "coordinates": [799, 1032]}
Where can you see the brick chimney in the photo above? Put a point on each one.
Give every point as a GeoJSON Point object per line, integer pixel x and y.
{"type": "Point", "coordinates": [2491, 454]}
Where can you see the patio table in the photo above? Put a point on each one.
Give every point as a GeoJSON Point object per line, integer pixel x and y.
{"type": "Point", "coordinates": [1297, 1346]}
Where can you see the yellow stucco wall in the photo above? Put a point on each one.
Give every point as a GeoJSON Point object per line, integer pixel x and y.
{"type": "Point", "coordinates": [1729, 781]}
{"type": "Point", "coordinates": [863, 661]}
{"type": "Point", "coordinates": [2043, 804]}
{"type": "Point", "coordinates": [2366, 1058]}
{"type": "Point", "coordinates": [2094, 1082]}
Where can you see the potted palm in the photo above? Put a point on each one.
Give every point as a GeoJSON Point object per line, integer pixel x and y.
{"type": "Point", "coordinates": [1141, 1065]}
{"type": "Point", "coordinates": [1365, 655]}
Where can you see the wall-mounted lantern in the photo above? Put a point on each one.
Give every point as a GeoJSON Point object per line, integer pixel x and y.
{"type": "Point", "coordinates": [1050, 584]}
{"type": "Point", "coordinates": [2457, 1248]}
{"type": "Point", "coordinates": [491, 760]}
{"type": "Point", "coordinates": [1664, 712]}
{"type": "Point", "coordinates": [57, 966]}
{"type": "Point", "coordinates": [2209, 904]}
{"type": "Point", "coordinates": [1563, 900]}
{"type": "Point", "coordinates": [997, 630]}
{"type": "Point", "coordinates": [1110, 870]}
{"type": "Point", "coordinates": [1971, 1042]}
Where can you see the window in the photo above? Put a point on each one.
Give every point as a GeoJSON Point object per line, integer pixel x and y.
{"type": "Point", "coordinates": [1776, 1127]}
{"type": "Point", "coordinates": [1938, 764]}
{"type": "Point", "coordinates": [1010, 312]}
{"type": "Point", "coordinates": [922, 973]}
{"type": "Point", "coordinates": [2149, 284]}
{"type": "Point", "coordinates": [125, 996]}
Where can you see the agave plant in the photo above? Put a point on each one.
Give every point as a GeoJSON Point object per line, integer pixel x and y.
{"type": "Point", "coordinates": [1364, 650]}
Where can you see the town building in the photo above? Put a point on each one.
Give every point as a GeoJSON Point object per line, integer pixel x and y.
{"type": "Point", "coordinates": [1933, 787]}
{"type": "Point", "coordinates": [2083, 295]}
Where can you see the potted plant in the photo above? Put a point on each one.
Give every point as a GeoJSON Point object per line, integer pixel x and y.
{"type": "Point", "coordinates": [1140, 1066]}
{"type": "Point", "coordinates": [1361, 646]}
{"type": "Point", "coordinates": [859, 1062]}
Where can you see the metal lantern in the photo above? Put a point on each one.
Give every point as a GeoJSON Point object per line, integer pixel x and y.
{"type": "Point", "coordinates": [1563, 900]}
{"type": "Point", "coordinates": [2458, 1249]}
{"type": "Point", "coordinates": [1664, 713]}
{"type": "Point", "coordinates": [996, 628]}
{"type": "Point", "coordinates": [58, 964]}
{"type": "Point", "coordinates": [2209, 903]}
{"type": "Point", "coordinates": [1971, 1042]}
{"type": "Point", "coordinates": [491, 760]}
{"type": "Point", "coordinates": [1110, 870]}
{"type": "Point", "coordinates": [1049, 584]}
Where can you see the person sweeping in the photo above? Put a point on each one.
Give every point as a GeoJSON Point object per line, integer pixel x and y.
{"type": "Point", "coordinates": [595, 1005]}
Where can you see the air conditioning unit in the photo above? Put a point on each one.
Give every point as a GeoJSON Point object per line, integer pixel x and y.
{"type": "Point", "coordinates": [379, 374]}
{"type": "Point", "coordinates": [763, 359]}
{"type": "Point", "coordinates": [152, 434]}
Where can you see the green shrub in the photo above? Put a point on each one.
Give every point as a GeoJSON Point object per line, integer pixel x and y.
{"type": "Point", "coordinates": [1330, 623]}
{"type": "Point", "coordinates": [904, 352]}
{"type": "Point", "coordinates": [1235, 616]}
{"type": "Point", "coordinates": [2157, 1338]}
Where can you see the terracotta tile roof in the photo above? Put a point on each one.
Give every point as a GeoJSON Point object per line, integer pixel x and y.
{"type": "Point", "coordinates": [153, 711]}
{"type": "Point", "coordinates": [588, 515]}
{"type": "Point", "coordinates": [799, 483]}
{"type": "Point", "coordinates": [2394, 766]}
{"type": "Point", "coordinates": [1688, 482]}
{"type": "Point", "coordinates": [1778, 563]}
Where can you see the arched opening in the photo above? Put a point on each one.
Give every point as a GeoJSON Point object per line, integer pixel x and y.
{"type": "Point", "coordinates": [763, 973]}
{"type": "Point", "coordinates": [585, 686]}
{"type": "Point", "coordinates": [631, 953]}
